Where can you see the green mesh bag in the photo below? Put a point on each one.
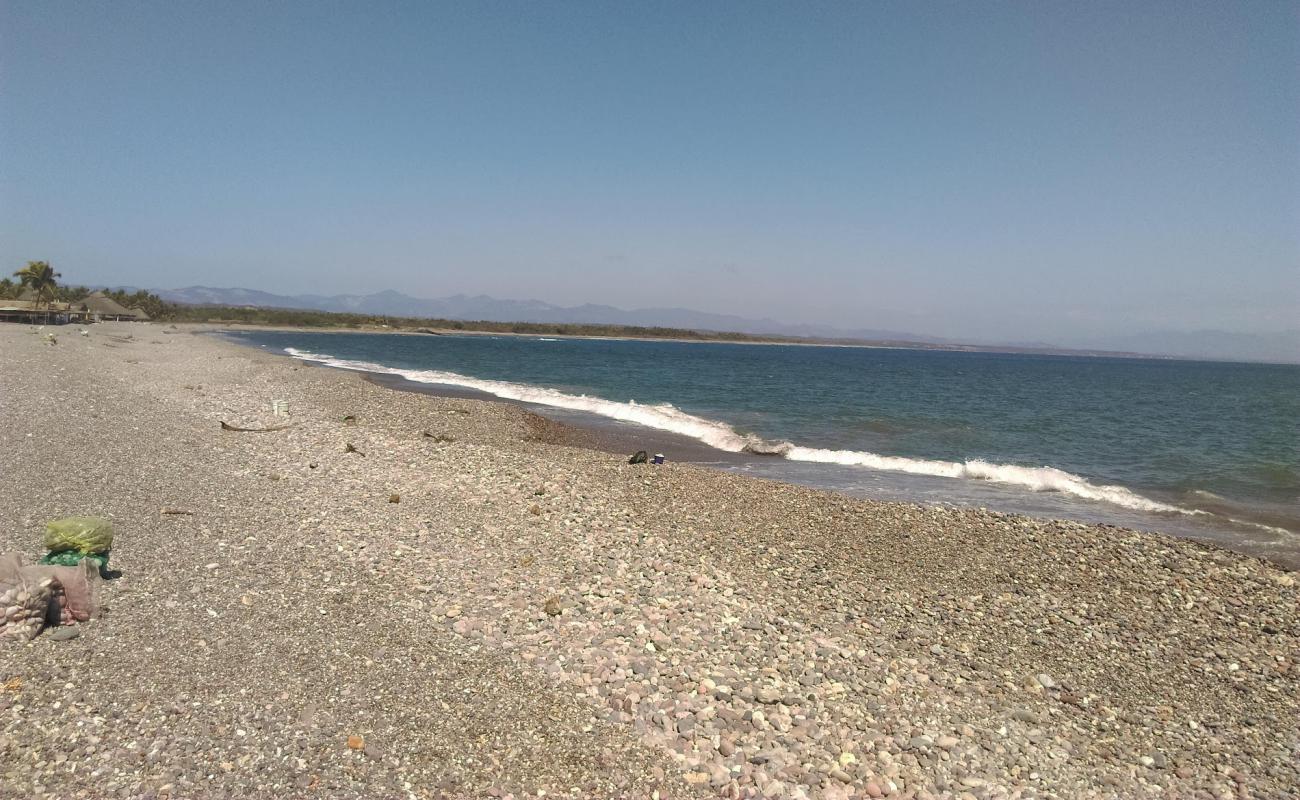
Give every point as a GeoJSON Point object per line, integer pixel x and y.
{"type": "Point", "coordinates": [79, 535]}
{"type": "Point", "coordinates": [71, 558]}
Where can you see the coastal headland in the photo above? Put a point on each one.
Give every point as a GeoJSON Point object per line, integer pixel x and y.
{"type": "Point", "coordinates": [400, 595]}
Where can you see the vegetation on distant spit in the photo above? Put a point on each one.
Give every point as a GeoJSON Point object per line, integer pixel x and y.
{"type": "Point", "coordinates": [249, 315]}
{"type": "Point", "coordinates": [42, 279]}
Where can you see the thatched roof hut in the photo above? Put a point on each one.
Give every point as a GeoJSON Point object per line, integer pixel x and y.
{"type": "Point", "coordinates": [32, 311]}
{"type": "Point", "coordinates": [105, 307]}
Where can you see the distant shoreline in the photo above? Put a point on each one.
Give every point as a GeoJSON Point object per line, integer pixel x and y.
{"type": "Point", "coordinates": [919, 346]}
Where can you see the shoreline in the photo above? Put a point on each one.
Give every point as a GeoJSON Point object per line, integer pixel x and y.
{"type": "Point", "coordinates": [569, 623]}
{"type": "Point", "coordinates": [1258, 536]}
{"type": "Point", "coordinates": [918, 346]}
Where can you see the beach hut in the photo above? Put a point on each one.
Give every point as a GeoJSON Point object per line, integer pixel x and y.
{"type": "Point", "coordinates": [36, 313]}
{"type": "Point", "coordinates": [103, 307]}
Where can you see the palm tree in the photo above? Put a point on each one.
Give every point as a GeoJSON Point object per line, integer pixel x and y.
{"type": "Point", "coordinates": [41, 278]}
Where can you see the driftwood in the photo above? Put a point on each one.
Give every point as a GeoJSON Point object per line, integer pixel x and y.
{"type": "Point", "coordinates": [228, 427]}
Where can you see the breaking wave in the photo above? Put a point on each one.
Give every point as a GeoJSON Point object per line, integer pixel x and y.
{"type": "Point", "coordinates": [722, 436]}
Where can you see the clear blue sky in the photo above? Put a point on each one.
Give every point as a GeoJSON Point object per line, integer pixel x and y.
{"type": "Point", "coordinates": [1043, 171]}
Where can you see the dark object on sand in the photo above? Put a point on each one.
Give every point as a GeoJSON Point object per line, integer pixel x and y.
{"type": "Point", "coordinates": [350, 419]}
{"type": "Point", "coordinates": [394, 498]}
{"type": "Point", "coordinates": [228, 427]}
{"type": "Point", "coordinates": [177, 512]}
{"type": "Point", "coordinates": [640, 458]}
{"type": "Point", "coordinates": [349, 448]}
{"type": "Point", "coordinates": [658, 459]}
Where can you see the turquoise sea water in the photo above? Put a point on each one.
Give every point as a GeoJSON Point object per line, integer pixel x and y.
{"type": "Point", "coordinates": [1154, 443]}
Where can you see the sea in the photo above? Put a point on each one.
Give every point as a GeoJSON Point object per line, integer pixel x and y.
{"type": "Point", "coordinates": [1203, 450]}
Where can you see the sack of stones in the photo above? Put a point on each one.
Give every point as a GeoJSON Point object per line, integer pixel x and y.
{"type": "Point", "coordinates": [77, 598]}
{"type": "Point", "coordinates": [24, 604]}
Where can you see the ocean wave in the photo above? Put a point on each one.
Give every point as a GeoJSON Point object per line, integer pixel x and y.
{"type": "Point", "coordinates": [722, 436]}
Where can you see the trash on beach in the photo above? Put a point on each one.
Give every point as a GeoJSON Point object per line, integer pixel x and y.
{"type": "Point", "coordinates": [394, 498]}
{"type": "Point", "coordinates": [351, 448]}
{"type": "Point", "coordinates": [441, 438]}
{"type": "Point", "coordinates": [658, 459]}
{"type": "Point", "coordinates": [26, 608]}
{"type": "Point", "coordinates": [76, 598]}
{"type": "Point", "coordinates": [79, 534]}
{"type": "Point", "coordinates": [553, 607]}
{"type": "Point", "coordinates": [350, 419]}
{"type": "Point", "coordinates": [32, 597]}
{"type": "Point", "coordinates": [280, 408]}
{"type": "Point", "coordinates": [71, 558]}
{"type": "Point", "coordinates": [228, 427]}
{"type": "Point", "coordinates": [640, 457]}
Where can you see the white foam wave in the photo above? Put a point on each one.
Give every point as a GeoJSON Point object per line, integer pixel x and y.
{"type": "Point", "coordinates": [666, 417]}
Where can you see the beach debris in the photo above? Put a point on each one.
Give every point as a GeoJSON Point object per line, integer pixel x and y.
{"type": "Point", "coordinates": [394, 498]}
{"type": "Point", "coordinates": [350, 419]}
{"type": "Point", "coordinates": [82, 534]}
{"type": "Point", "coordinates": [535, 510]}
{"type": "Point", "coordinates": [73, 540]}
{"type": "Point", "coordinates": [24, 599]}
{"type": "Point", "coordinates": [356, 742]}
{"type": "Point", "coordinates": [640, 457]}
{"type": "Point", "coordinates": [71, 558]}
{"type": "Point", "coordinates": [658, 458]}
{"type": "Point", "coordinates": [225, 426]}
{"type": "Point", "coordinates": [348, 447]}
{"type": "Point", "coordinates": [176, 512]}
{"type": "Point", "coordinates": [552, 607]}
{"type": "Point", "coordinates": [280, 408]}
{"type": "Point", "coordinates": [440, 437]}
{"type": "Point", "coordinates": [12, 685]}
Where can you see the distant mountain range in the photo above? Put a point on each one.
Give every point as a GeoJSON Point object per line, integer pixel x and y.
{"type": "Point", "coordinates": [1283, 347]}
{"type": "Point", "coordinates": [490, 309]}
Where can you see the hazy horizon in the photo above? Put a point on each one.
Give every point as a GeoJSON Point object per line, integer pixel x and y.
{"type": "Point", "coordinates": [1041, 173]}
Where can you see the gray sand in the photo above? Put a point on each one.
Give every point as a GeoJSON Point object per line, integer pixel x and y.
{"type": "Point", "coordinates": [533, 616]}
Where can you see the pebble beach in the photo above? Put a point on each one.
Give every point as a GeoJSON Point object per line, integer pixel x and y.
{"type": "Point", "coordinates": [409, 596]}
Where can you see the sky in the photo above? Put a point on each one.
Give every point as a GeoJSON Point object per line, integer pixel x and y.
{"type": "Point", "coordinates": [1044, 171]}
